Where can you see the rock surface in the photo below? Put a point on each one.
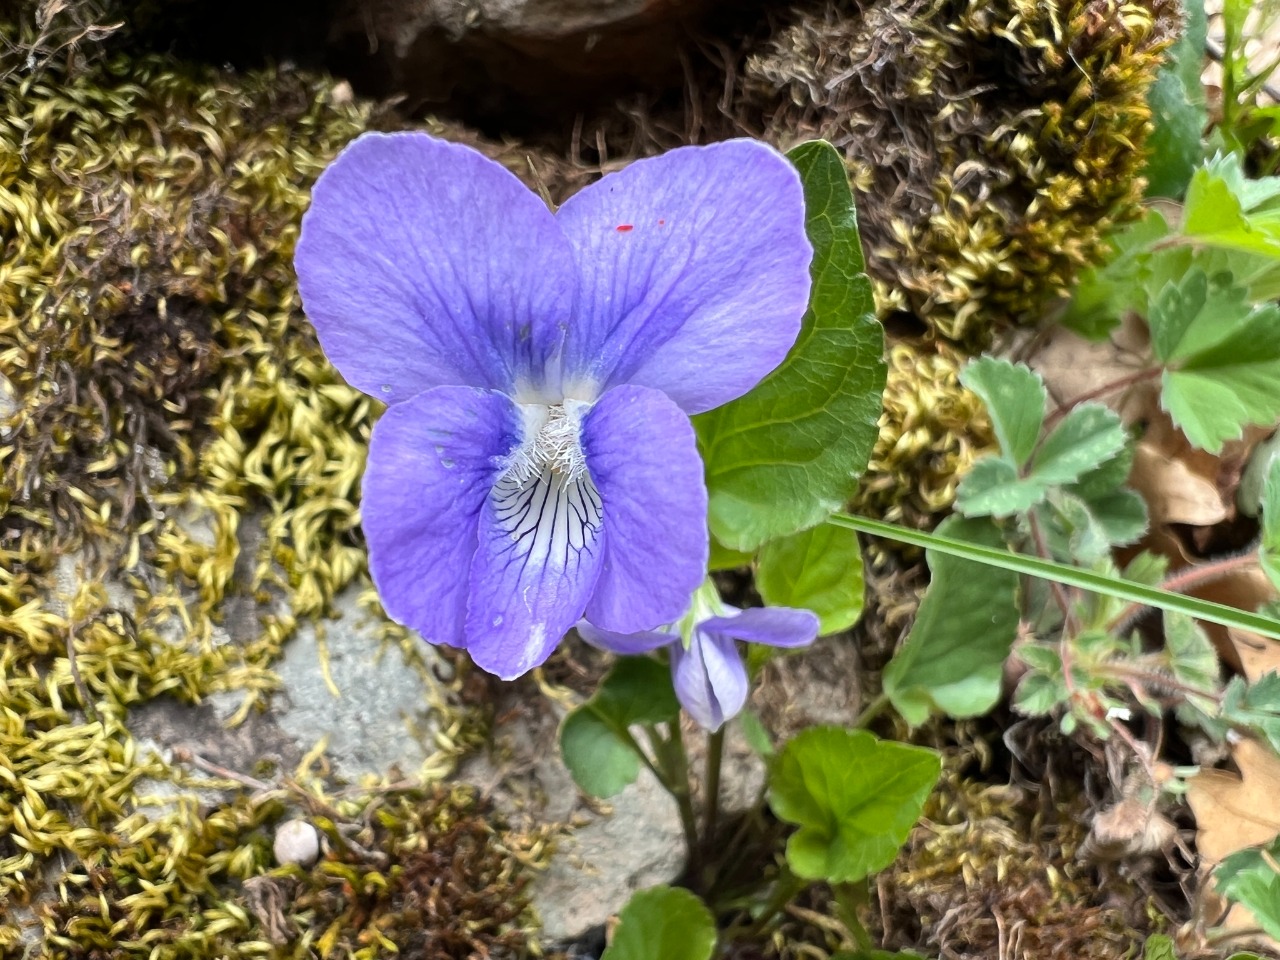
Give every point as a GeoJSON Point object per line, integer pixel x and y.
{"type": "Point", "coordinates": [534, 51]}
{"type": "Point", "coordinates": [604, 853]}
{"type": "Point", "coordinates": [381, 717]}
{"type": "Point", "coordinates": [598, 866]}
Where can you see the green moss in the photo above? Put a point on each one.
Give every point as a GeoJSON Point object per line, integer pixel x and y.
{"type": "Point", "coordinates": [163, 395]}
{"type": "Point", "coordinates": [931, 431]}
{"type": "Point", "coordinates": [411, 872]}
{"type": "Point", "coordinates": [994, 870]}
{"type": "Point", "coordinates": [993, 142]}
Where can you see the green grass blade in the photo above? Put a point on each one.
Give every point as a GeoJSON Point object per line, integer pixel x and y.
{"type": "Point", "coordinates": [1067, 575]}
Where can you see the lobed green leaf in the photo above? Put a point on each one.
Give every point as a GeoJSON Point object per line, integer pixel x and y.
{"type": "Point", "coordinates": [1014, 397]}
{"type": "Point", "coordinates": [1216, 391]}
{"type": "Point", "coordinates": [1087, 437]}
{"type": "Point", "coordinates": [1249, 877]}
{"type": "Point", "coordinates": [1255, 706]}
{"type": "Point", "coordinates": [992, 488]}
{"type": "Point", "coordinates": [853, 797]}
{"type": "Point", "coordinates": [1228, 210]}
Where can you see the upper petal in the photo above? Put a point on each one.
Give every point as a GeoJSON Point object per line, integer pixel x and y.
{"type": "Point", "coordinates": [538, 558]}
{"type": "Point", "coordinates": [710, 679]}
{"type": "Point", "coordinates": [423, 263]}
{"type": "Point", "coordinates": [776, 626]}
{"type": "Point", "coordinates": [695, 272]}
{"type": "Point", "coordinates": [432, 462]}
{"type": "Point", "coordinates": [642, 454]}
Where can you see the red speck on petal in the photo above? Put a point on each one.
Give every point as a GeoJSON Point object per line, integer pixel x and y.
{"type": "Point", "coordinates": [625, 228]}
{"type": "Point", "coordinates": [662, 223]}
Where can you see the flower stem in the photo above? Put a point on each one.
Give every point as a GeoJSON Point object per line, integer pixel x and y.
{"type": "Point", "coordinates": [640, 752]}
{"type": "Point", "coordinates": [673, 773]}
{"type": "Point", "coordinates": [711, 813]}
{"type": "Point", "coordinates": [849, 897]}
{"type": "Point", "coordinates": [871, 711]}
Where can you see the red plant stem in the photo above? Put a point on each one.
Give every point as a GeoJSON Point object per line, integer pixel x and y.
{"type": "Point", "coordinates": [1185, 580]}
{"type": "Point", "coordinates": [1064, 601]}
{"type": "Point", "coordinates": [1149, 373]}
{"type": "Point", "coordinates": [1147, 678]}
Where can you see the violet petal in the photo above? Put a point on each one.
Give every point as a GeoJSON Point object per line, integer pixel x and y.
{"type": "Point", "coordinates": [695, 272]}
{"type": "Point", "coordinates": [431, 464]}
{"type": "Point", "coordinates": [625, 643]}
{"type": "Point", "coordinates": [775, 626]}
{"type": "Point", "coordinates": [539, 555]}
{"type": "Point", "coordinates": [710, 679]}
{"type": "Point", "coordinates": [644, 458]}
{"type": "Point", "coordinates": [422, 263]}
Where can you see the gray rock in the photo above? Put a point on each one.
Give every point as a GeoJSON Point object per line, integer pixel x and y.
{"type": "Point", "coordinates": [596, 868]}
{"type": "Point", "coordinates": [165, 724]}
{"type": "Point", "coordinates": [382, 717]}
{"type": "Point", "coordinates": [603, 856]}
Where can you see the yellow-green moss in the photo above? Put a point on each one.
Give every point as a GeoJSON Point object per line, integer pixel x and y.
{"type": "Point", "coordinates": [993, 142]}
{"type": "Point", "coordinates": [162, 394]}
{"type": "Point", "coordinates": [931, 431]}
{"type": "Point", "coordinates": [990, 870]}
{"type": "Point", "coordinates": [418, 873]}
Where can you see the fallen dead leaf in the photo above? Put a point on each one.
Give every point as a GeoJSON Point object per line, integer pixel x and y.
{"type": "Point", "coordinates": [1258, 655]}
{"type": "Point", "coordinates": [1235, 811]}
{"type": "Point", "coordinates": [1183, 484]}
{"type": "Point", "coordinates": [1073, 366]}
{"type": "Point", "coordinates": [1245, 589]}
{"type": "Point", "coordinates": [1175, 491]}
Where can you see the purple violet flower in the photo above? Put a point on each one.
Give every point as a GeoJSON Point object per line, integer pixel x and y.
{"type": "Point", "coordinates": [707, 670]}
{"type": "Point", "coordinates": [536, 462]}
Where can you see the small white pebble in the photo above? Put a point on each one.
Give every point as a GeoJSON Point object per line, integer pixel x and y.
{"type": "Point", "coordinates": [296, 842]}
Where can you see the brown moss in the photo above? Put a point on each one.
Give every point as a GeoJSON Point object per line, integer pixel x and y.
{"type": "Point", "coordinates": [992, 142]}
{"type": "Point", "coordinates": [994, 871]}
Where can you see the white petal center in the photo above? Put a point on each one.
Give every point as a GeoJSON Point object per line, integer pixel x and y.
{"type": "Point", "coordinates": [546, 501]}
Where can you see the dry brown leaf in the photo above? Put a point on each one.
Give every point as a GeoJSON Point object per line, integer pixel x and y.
{"type": "Point", "coordinates": [1073, 366]}
{"type": "Point", "coordinates": [1235, 920]}
{"type": "Point", "coordinates": [1258, 654]}
{"type": "Point", "coordinates": [1190, 485]}
{"type": "Point", "coordinates": [1237, 811]}
{"type": "Point", "coordinates": [1245, 589]}
{"type": "Point", "coordinates": [1174, 490]}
